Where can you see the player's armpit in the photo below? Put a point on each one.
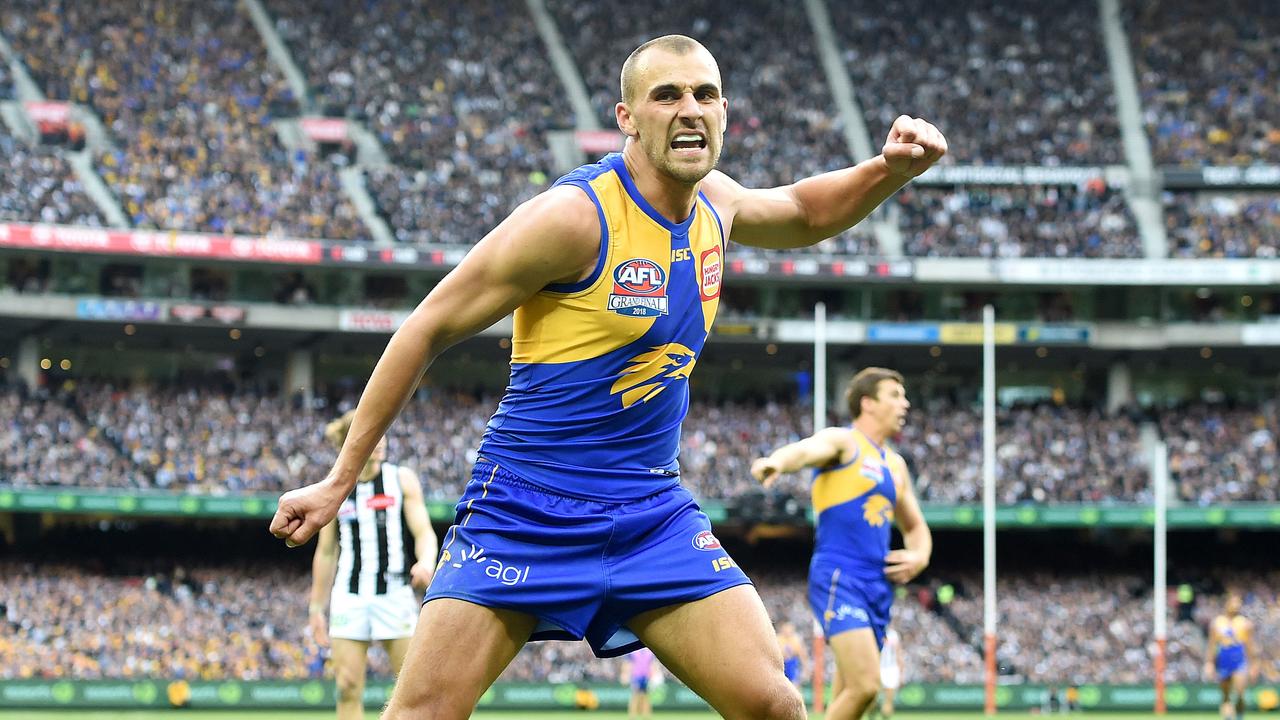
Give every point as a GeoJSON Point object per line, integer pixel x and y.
{"type": "Point", "coordinates": [552, 238]}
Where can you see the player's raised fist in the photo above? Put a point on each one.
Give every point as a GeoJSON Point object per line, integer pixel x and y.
{"type": "Point", "coordinates": [913, 146]}
{"type": "Point", "coordinates": [765, 470]}
{"type": "Point", "coordinates": [301, 513]}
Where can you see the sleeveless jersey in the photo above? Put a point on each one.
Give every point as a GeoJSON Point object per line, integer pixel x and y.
{"type": "Point", "coordinates": [853, 505]}
{"type": "Point", "coordinates": [375, 546]}
{"type": "Point", "coordinates": [1233, 634]}
{"type": "Point", "coordinates": [600, 368]}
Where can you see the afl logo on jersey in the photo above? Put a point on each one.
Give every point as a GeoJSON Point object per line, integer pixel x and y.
{"type": "Point", "coordinates": [706, 541]}
{"type": "Point", "coordinates": [712, 265]}
{"type": "Point", "coordinates": [639, 289]}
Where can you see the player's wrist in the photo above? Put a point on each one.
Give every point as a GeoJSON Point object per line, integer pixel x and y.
{"type": "Point", "coordinates": [316, 609]}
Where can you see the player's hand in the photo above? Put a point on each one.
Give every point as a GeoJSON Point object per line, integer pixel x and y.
{"type": "Point", "coordinates": [420, 575]}
{"type": "Point", "coordinates": [765, 470]}
{"type": "Point", "coordinates": [913, 146]}
{"type": "Point", "coordinates": [1208, 670]}
{"type": "Point", "coordinates": [900, 566]}
{"type": "Point", "coordinates": [301, 513]}
{"type": "Point", "coordinates": [319, 628]}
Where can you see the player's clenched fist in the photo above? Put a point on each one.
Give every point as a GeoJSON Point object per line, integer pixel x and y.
{"type": "Point", "coordinates": [913, 146]}
{"type": "Point", "coordinates": [765, 470]}
{"type": "Point", "coordinates": [301, 513]}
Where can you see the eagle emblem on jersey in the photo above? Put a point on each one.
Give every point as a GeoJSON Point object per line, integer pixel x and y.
{"type": "Point", "coordinates": [877, 511]}
{"type": "Point", "coordinates": [649, 373]}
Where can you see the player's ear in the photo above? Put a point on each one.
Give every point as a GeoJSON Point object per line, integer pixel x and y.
{"type": "Point", "coordinates": [626, 123]}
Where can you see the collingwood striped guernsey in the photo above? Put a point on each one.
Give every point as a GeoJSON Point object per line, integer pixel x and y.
{"type": "Point", "coordinates": [375, 546]}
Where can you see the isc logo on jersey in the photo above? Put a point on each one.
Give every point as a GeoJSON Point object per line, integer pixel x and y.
{"type": "Point", "coordinates": [639, 289]}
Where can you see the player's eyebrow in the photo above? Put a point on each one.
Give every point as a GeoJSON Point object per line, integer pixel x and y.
{"type": "Point", "coordinates": [711, 88]}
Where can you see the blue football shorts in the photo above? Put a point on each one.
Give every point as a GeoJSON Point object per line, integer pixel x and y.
{"type": "Point", "coordinates": [1229, 661]}
{"type": "Point", "coordinates": [582, 567]}
{"type": "Point", "coordinates": [844, 598]}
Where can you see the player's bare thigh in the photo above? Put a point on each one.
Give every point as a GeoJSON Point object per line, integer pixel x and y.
{"type": "Point", "coordinates": [724, 648]}
{"type": "Point", "coordinates": [457, 651]}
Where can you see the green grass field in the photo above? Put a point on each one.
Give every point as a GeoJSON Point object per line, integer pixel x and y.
{"type": "Point", "coordinates": [310, 715]}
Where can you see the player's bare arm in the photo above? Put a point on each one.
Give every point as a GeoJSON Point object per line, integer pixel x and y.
{"type": "Point", "coordinates": [554, 237]}
{"type": "Point", "coordinates": [425, 543]}
{"type": "Point", "coordinates": [324, 565]}
{"type": "Point", "coordinates": [820, 450]}
{"type": "Point", "coordinates": [901, 566]}
{"type": "Point", "coordinates": [1211, 647]}
{"type": "Point", "coordinates": [823, 206]}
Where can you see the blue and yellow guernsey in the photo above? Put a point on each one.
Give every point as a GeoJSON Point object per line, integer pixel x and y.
{"type": "Point", "coordinates": [853, 505]}
{"type": "Point", "coordinates": [1233, 635]}
{"type": "Point", "coordinates": [600, 368]}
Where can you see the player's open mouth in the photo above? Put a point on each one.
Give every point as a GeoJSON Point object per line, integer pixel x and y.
{"type": "Point", "coordinates": [689, 142]}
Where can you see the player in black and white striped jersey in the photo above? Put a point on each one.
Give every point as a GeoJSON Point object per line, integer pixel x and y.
{"type": "Point", "coordinates": [370, 568]}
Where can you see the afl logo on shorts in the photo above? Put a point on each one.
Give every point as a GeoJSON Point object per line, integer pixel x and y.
{"type": "Point", "coordinates": [712, 264]}
{"type": "Point", "coordinates": [706, 541]}
{"type": "Point", "coordinates": [639, 289]}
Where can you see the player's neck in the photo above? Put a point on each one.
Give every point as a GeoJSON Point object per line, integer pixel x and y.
{"type": "Point", "coordinates": [871, 430]}
{"type": "Point", "coordinates": [672, 199]}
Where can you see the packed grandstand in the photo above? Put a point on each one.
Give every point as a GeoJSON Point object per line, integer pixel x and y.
{"type": "Point", "coordinates": [209, 118]}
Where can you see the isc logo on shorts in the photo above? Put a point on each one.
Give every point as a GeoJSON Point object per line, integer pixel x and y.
{"type": "Point", "coordinates": [639, 289]}
{"type": "Point", "coordinates": [706, 541]}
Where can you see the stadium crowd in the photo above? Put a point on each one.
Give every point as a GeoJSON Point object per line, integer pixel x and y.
{"type": "Point", "coordinates": [1219, 455]}
{"type": "Point", "coordinates": [38, 185]}
{"type": "Point", "coordinates": [205, 441]}
{"type": "Point", "coordinates": [1226, 225]}
{"type": "Point", "coordinates": [1206, 76]}
{"type": "Point", "coordinates": [79, 620]}
{"type": "Point", "coordinates": [187, 92]}
{"type": "Point", "coordinates": [1010, 83]}
{"type": "Point", "coordinates": [462, 118]}
{"type": "Point", "coordinates": [1090, 221]}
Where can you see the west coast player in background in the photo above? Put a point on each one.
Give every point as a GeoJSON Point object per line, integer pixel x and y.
{"type": "Point", "coordinates": [860, 488]}
{"type": "Point", "coordinates": [1228, 656]}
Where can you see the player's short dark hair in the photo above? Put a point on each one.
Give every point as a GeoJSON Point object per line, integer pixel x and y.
{"type": "Point", "coordinates": [866, 384]}
{"type": "Point", "coordinates": [677, 44]}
